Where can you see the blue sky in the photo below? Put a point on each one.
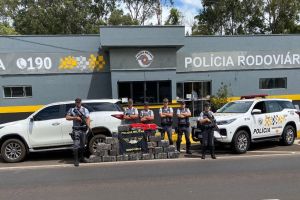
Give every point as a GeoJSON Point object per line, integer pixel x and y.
{"type": "Point", "coordinates": [188, 3]}
{"type": "Point", "coordinates": [188, 8]}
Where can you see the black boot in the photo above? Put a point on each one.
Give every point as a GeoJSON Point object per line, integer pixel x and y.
{"type": "Point", "coordinates": [171, 141]}
{"type": "Point", "coordinates": [178, 147]}
{"type": "Point", "coordinates": [76, 159]}
{"type": "Point", "coordinates": [203, 152]}
{"type": "Point", "coordinates": [212, 152]}
{"type": "Point", "coordinates": [188, 149]}
{"type": "Point", "coordinates": [81, 156]}
{"type": "Point", "coordinates": [188, 152]}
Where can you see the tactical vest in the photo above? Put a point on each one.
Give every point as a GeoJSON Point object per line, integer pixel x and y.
{"type": "Point", "coordinates": [210, 125]}
{"type": "Point", "coordinates": [166, 120]}
{"type": "Point", "coordinates": [183, 121]}
{"type": "Point", "coordinates": [145, 113]}
{"type": "Point", "coordinates": [130, 112]}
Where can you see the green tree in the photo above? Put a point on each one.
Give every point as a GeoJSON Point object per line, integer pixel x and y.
{"type": "Point", "coordinates": [232, 17]}
{"type": "Point", "coordinates": [101, 9]}
{"type": "Point", "coordinates": [5, 29]}
{"type": "Point", "coordinates": [221, 97]}
{"type": "Point", "coordinates": [282, 16]}
{"type": "Point", "coordinates": [142, 10]}
{"type": "Point", "coordinates": [117, 17]}
{"type": "Point", "coordinates": [174, 18]}
{"type": "Point", "coordinates": [57, 16]}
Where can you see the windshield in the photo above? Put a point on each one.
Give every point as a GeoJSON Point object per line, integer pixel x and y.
{"type": "Point", "coordinates": [236, 107]}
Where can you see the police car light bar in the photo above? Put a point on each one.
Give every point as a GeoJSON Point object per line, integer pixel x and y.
{"type": "Point", "coordinates": [254, 96]}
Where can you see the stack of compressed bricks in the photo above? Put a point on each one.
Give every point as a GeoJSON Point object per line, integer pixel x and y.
{"type": "Point", "coordinates": [157, 149]}
{"type": "Point", "coordinates": [161, 149]}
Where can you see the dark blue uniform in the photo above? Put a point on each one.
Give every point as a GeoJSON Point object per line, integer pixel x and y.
{"type": "Point", "coordinates": [207, 133]}
{"type": "Point", "coordinates": [183, 128]}
{"type": "Point", "coordinates": [166, 124]}
{"type": "Point", "coordinates": [79, 132]}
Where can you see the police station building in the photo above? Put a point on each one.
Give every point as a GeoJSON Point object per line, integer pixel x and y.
{"type": "Point", "coordinates": [145, 63]}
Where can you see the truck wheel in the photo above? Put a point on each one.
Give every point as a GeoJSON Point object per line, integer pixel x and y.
{"type": "Point", "coordinates": [288, 135]}
{"type": "Point", "coordinates": [95, 141]}
{"type": "Point", "coordinates": [13, 150]}
{"type": "Point", "coordinates": [241, 142]}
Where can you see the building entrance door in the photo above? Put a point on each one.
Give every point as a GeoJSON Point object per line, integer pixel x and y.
{"type": "Point", "coordinates": [194, 93]}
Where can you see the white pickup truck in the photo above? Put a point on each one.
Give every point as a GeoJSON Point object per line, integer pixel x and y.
{"type": "Point", "coordinates": [47, 129]}
{"type": "Point", "coordinates": [255, 120]}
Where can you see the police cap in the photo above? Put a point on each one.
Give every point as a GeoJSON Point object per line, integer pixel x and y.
{"type": "Point", "coordinates": [130, 101]}
{"type": "Point", "coordinates": [206, 104]}
{"type": "Point", "coordinates": [78, 100]}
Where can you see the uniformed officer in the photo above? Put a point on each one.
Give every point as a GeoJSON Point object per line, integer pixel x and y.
{"type": "Point", "coordinates": [81, 122]}
{"type": "Point", "coordinates": [146, 115]}
{"type": "Point", "coordinates": [183, 115]}
{"type": "Point", "coordinates": [207, 121]}
{"type": "Point", "coordinates": [166, 115]}
{"type": "Point", "coordinates": [131, 114]}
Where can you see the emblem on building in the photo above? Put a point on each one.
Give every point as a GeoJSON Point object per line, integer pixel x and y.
{"type": "Point", "coordinates": [144, 58]}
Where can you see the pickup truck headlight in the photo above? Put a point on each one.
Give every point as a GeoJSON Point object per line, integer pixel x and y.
{"type": "Point", "coordinates": [225, 122]}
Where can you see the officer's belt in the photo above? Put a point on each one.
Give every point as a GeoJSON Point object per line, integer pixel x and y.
{"type": "Point", "coordinates": [81, 128]}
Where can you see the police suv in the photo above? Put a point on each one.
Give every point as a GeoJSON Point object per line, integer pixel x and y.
{"type": "Point", "coordinates": [47, 129]}
{"type": "Point", "coordinates": [254, 120]}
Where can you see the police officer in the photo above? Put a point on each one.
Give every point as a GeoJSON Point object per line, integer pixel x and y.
{"type": "Point", "coordinates": [146, 115]}
{"type": "Point", "coordinates": [81, 122]}
{"type": "Point", "coordinates": [207, 121]}
{"type": "Point", "coordinates": [166, 115]}
{"type": "Point", "coordinates": [183, 115]}
{"type": "Point", "coordinates": [131, 114]}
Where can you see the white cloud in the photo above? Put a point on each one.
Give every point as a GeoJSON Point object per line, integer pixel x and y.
{"type": "Point", "coordinates": [192, 3]}
{"type": "Point", "coordinates": [188, 8]}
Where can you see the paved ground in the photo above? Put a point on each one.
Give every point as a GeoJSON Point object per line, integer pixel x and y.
{"type": "Point", "coordinates": [65, 157]}
{"type": "Point", "coordinates": [227, 178]}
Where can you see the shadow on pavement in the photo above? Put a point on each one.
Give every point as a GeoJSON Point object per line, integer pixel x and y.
{"type": "Point", "coordinates": [62, 157]}
{"type": "Point", "coordinates": [222, 149]}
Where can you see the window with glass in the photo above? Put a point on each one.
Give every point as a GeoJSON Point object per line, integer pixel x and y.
{"type": "Point", "coordinates": [145, 91]}
{"type": "Point", "coordinates": [286, 104]}
{"type": "Point", "coordinates": [51, 112]}
{"type": "Point", "coordinates": [273, 83]}
{"type": "Point", "coordinates": [17, 91]}
{"type": "Point", "coordinates": [273, 106]}
{"type": "Point", "coordinates": [194, 90]}
{"type": "Point", "coordinates": [236, 107]}
{"type": "Point", "coordinates": [261, 106]}
{"type": "Point", "coordinates": [194, 93]}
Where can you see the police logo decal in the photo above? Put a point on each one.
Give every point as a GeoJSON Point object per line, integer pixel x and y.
{"type": "Point", "coordinates": [144, 58]}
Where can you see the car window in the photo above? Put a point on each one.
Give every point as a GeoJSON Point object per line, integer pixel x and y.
{"type": "Point", "coordinates": [93, 107]}
{"type": "Point", "coordinates": [68, 107]}
{"type": "Point", "coordinates": [236, 107]}
{"type": "Point", "coordinates": [103, 106]}
{"type": "Point", "coordinates": [51, 112]}
{"type": "Point", "coordinates": [286, 104]}
{"type": "Point", "coordinates": [261, 106]}
{"type": "Point", "coordinates": [119, 106]}
{"type": "Point", "coordinates": [273, 106]}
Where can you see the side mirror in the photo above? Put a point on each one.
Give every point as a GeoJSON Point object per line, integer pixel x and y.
{"type": "Point", "coordinates": [256, 111]}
